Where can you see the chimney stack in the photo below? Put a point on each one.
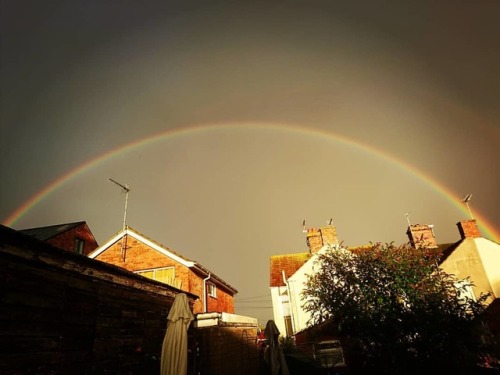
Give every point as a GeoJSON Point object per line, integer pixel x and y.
{"type": "Point", "coordinates": [317, 238]}
{"type": "Point", "coordinates": [468, 229]}
{"type": "Point", "coordinates": [422, 236]}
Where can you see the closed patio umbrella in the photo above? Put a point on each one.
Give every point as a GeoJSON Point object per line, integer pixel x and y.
{"type": "Point", "coordinates": [273, 355]}
{"type": "Point", "coordinates": [174, 352]}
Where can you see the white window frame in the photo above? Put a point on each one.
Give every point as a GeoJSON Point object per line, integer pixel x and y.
{"type": "Point", "coordinates": [154, 271]}
{"type": "Point", "coordinates": [211, 290]}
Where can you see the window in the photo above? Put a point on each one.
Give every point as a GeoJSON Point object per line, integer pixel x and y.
{"type": "Point", "coordinates": [288, 326]}
{"type": "Point", "coordinates": [285, 305]}
{"type": "Point", "coordinates": [211, 290]}
{"type": "Point", "coordinates": [165, 275]}
{"type": "Point", "coordinates": [79, 245]}
{"type": "Point", "coordinates": [287, 314]}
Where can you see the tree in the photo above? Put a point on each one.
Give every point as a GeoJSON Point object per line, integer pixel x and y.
{"type": "Point", "coordinates": [395, 310]}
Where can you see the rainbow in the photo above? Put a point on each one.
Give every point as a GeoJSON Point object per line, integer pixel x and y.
{"type": "Point", "coordinates": [487, 228]}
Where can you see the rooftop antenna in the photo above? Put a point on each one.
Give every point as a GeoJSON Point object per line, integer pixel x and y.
{"type": "Point", "coordinates": [408, 218]}
{"type": "Point", "coordinates": [126, 190]}
{"type": "Point", "coordinates": [466, 200]}
{"type": "Point", "coordinates": [330, 221]}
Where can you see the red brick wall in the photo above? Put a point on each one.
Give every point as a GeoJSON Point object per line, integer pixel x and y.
{"type": "Point", "coordinates": [222, 303]}
{"type": "Point", "coordinates": [421, 235]}
{"type": "Point", "coordinates": [317, 238]}
{"type": "Point", "coordinates": [468, 229]}
{"type": "Point", "coordinates": [66, 240]}
{"type": "Point", "coordinates": [139, 256]}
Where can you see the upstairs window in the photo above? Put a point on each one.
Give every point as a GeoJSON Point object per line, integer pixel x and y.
{"type": "Point", "coordinates": [211, 290]}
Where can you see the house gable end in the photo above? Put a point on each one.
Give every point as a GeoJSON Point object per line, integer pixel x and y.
{"type": "Point", "coordinates": [148, 242]}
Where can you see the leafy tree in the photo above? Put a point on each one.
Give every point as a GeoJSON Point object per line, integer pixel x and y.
{"type": "Point", "coordinates": [395, 310]}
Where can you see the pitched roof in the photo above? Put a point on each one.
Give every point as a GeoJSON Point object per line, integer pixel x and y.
{"type": "Point", "coordinates": [162, 249]}
{"type": "Point", "coordinates": [289, 263]}
{"type": "Point", "coordinates": [46, 233]}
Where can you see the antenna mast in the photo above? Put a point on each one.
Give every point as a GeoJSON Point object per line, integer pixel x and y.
{"type": "Point", "coordinates": [466, 200]}
{"type": "Point", "coordinates": [408, 218]}
{"type": "Point", "coordinates": [126, 190]}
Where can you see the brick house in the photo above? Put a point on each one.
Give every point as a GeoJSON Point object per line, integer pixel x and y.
{"type": "Point", "coordinates": [75, 237]}
{"type": "Point", "coordinates": [137, 253]}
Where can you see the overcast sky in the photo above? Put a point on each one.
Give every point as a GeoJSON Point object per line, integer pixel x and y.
{"type": "Point", "coordinates": [231, 122]}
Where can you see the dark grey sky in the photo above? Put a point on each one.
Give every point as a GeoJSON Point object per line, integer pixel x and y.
{"type": "Point", "coordinates": [254, 116]}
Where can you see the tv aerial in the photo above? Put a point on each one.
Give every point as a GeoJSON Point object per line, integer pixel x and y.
{"type": "Point", "coordinates": [466, 200]}
{"type": "Point", "coordinates": [408, 218]}
{"type": "Point", "coordinates": [126, 190]}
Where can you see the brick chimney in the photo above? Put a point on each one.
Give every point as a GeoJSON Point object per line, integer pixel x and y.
{"type": "Point", "coordinates": [421, 235]}
{"type": "Point", "coordinates": [468, 229]}
{"type": "Point", "coordinates": [317, 238]}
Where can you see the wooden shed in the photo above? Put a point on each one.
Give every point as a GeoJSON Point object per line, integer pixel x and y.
{"type": "Point", "coordinates": [62, 312]}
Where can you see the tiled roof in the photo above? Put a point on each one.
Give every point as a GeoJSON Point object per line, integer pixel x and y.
{"type": "Point", "coordinates": [289, 263]}
{"type": "Point", "coordinates": [46, 233]}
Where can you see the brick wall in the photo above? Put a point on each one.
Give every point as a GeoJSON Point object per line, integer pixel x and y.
{"type": "Point", "coordinates": [66, 240]}
{"type": "Point", "coordinates": [421, 235]}
{"type": "Point", "coordinates": [228, 350]}
{"type": "Point", "coordinates": [468, 229]}
{"type": "Point", "coordinates": [317, 238]}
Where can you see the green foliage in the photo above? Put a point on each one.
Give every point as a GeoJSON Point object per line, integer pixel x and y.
{"type": "Point", "coordinates": [395, 310]}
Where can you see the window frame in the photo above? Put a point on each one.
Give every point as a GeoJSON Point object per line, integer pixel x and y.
{"type": "Point", "coordinates": [154, 272]}
{"type": "Point", "coordinates": [79, 245]}
{"type": "Point", "coordinates": [211, 290]}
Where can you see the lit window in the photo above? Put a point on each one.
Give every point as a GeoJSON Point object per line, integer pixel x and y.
{"type": "Point", "coordinates": [212, 290]}
{"type": "Point", "coordinates": [165, 275]}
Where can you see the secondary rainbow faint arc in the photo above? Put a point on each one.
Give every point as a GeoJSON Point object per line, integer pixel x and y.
{"type": "Point", "coordinates": [53, 186]}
